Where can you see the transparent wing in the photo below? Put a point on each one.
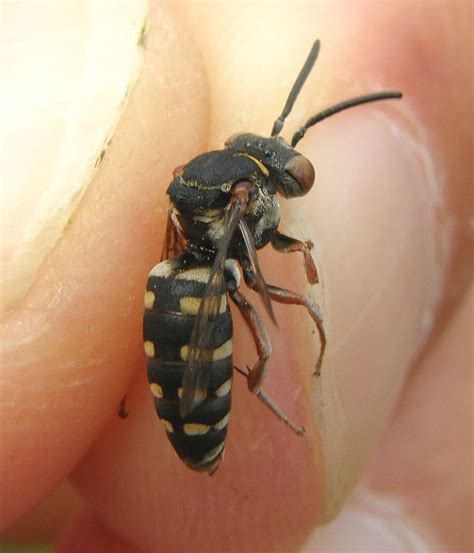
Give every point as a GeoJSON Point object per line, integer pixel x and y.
{"type": "Point", "coordinates": [173, 243]}
{"type": "Point", "coordinates": [199, 357]}
{"type": "Point", "coordinates": [259, 280]}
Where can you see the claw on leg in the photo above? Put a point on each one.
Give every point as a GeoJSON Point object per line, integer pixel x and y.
{"type": "Point", "coordinates": [266, 400]}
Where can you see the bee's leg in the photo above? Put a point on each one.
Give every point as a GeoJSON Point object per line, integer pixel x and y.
{"type": "Point", "coordinates": [262, 342]}
{"type": "Point", "coordinates": [264, 349]}
{"type": "Point", "coordinates": [287, 244]}
{"type": "Point", "coordinates": [282, 295]}
{"type": "Point", "coordinates": [262, 396]}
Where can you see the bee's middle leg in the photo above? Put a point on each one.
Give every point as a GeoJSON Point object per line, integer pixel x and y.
{"type": "Point", "coordinates": [282, 295]}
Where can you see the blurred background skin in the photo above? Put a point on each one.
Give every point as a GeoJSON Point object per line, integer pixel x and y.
{"type": "Point", "coordinates": [390, 219]}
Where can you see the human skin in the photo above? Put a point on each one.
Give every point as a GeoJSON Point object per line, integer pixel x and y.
{"type": "Point", "coordinates": [388, 215]}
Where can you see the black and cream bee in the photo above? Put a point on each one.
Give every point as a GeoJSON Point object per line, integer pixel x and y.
{"type": "Point", "coordinates": [224, 207]}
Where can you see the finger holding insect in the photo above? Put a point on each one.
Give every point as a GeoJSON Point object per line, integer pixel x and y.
{"type": "Point", "coordinates": [113, 477]}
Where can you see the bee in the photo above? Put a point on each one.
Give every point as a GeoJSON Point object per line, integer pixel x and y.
{"type": "Point", "coordinates": [224, 207]}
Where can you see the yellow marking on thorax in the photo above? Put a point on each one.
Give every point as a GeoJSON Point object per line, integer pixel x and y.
{"type": "Point", "coordinates": [156, 390]}
{"type": "Point", "coordinates": [149, 299]}
{"type": "Point", "coordinates": [189, 305]}
{"type": "Point", "coordinates": [209, 215]}
{"type": "Point", "coordinates": [258, 163]}
{"type": "Point", "coordinates": [195, 429]}
{"type": "Point", "coordinates": [224, 389]}
{"type": "Point", "coordinates": [219, 353]}
{"type": "Point", "coordinates": [149, 349]}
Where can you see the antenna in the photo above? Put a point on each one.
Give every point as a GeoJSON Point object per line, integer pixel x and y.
{"type": "Point", "coordinates": [340, 107]}
{"type": "Point", "coordinates": [300, 80]}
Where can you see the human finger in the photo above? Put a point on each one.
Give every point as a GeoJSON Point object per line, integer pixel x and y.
{"type": "Point", "coordinates": [370, 355]}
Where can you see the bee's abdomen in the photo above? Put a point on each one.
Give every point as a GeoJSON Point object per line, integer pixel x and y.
{"type": "Point", "coordinates": [172, 299]}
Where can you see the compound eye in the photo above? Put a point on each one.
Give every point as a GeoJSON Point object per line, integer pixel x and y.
{"type": "Point", "coordinates": [302, 170]}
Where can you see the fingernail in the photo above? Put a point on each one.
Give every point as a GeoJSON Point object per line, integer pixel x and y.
{"type": "Point", "coordinates": [380, 253]}
{"type": "Point", "coordinates": [371, 523]}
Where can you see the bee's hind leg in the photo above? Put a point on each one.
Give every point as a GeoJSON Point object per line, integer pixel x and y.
{"type": "Point", "coordinates": [256, 375]}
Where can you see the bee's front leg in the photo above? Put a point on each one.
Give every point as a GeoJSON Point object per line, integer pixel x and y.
{"type": "Point", "coordinates": [286, 244]}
